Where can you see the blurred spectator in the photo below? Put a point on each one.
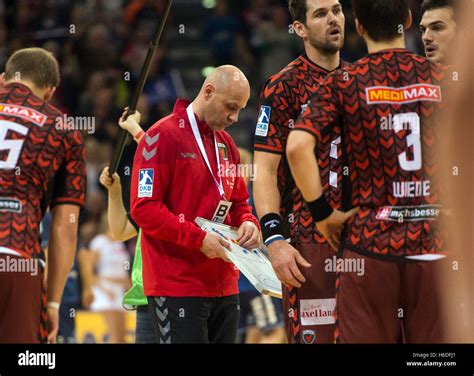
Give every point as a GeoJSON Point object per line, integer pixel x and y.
{"type": "Point", "coordinates": [160, 86]}
{"type": "Point", "coordinates": [96, 51]}
{"type": "Point", "coordinates": [143, 11]}
{"type": "Point", "coordinates": [223, 35]}
{"type": "Point", "coordinates": [96, 204]}
{"type": "Point", "coordinates": [257, 12]}
{"type": "Point", "coordinates": [3, 43]}
{"type": "Point", "coordinates": [87, 232]}
{"type": "Point", "coordinates": [92, 161]}
{"type": "Point", "coordinates": [135, 51]}
{"type": "Point", "coordinates": [278, 45]}
{"type": "Point", "coordinates": [105, 267]}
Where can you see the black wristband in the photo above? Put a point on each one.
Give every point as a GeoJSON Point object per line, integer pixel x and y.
{"type": "Point", "coordinates": [320, 209]}
{"type": "Point", "coordinates": [271, 225]}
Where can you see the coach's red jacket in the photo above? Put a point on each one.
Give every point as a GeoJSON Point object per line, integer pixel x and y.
{"type": "Point", "coordinates": [171, 186]}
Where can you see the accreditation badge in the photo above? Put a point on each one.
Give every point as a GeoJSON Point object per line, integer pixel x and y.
{"type": "Point", "coordinates": [221, 212]}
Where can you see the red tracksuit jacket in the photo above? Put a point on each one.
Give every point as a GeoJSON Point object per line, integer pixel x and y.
{"type": "Point", "coordinates": [171, 186]}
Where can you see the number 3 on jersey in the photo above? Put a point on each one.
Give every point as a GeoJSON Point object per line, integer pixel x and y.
{"type": "Point", "coordinates": [13, 146]}
{"type": "Point", "coordinates": [411, 122]}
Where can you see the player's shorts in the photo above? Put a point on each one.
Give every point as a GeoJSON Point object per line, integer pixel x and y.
{"type": "Point", "coordinates": [309, 310]}
{"type": "Point", "coordinates": [390, 301]}
{"type": "Point", "coordinates": [107, 296]}
{"type": "Point", "coordinates": [22, 302]}
{"type": "Point", "coordinates": [261, 311]}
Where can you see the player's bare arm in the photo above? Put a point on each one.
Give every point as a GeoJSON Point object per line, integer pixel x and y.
{"type": "Point", "coordinates": [265, 188]}
{"type": "Point", "coordinates": [62, 248]}
{"type": "Point", "coordinates": [120, 226]}
{"type": "Point", "coordinates": [283, 256]}
{"type": "Point", "coordinates": [305, 171]}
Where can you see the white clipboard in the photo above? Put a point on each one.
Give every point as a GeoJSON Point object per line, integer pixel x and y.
{"type": "Point", "coordinates": [252, 263]}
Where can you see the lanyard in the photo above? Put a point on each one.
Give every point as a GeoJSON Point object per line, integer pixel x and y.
{"type": "Point", "coordinates": [197, 136]}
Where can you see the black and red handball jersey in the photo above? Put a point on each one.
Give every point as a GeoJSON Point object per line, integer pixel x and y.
{"type": "Point", "coordinates": [386, 106]}
{"type": "Point", "coordinates": [41, 164]}
{"type": "Point", "coordinates": [284, 97]}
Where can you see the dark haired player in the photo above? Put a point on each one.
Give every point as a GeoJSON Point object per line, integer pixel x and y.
{"type": "Point", "coordinates": [438, 28]}
{"type": "Point", "coordinates": [309, 289]}
{"type": "Point", "coordinates": [384, 105]}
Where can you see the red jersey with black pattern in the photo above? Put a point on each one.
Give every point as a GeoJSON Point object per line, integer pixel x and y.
{"type": "Point", "coordinates": [386, 106]}
{"type": "Point", "coordinates": [284, 97]}
{"type": "Point", "coordinates": [41, 164]}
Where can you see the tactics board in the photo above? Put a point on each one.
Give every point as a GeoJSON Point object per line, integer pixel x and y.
{"type": "Point", "coordinates": [252, 263]}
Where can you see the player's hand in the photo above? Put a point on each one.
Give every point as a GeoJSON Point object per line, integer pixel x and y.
{"type": "Point", "coordinates": [53, 324]}
{"type": "Point", "coordinates": [87, 298]}
{"type": "Point", "coordinates": [332, 226]}
{"type": "Point", "coordinates": [213, 247]}
{"type": "Point", "coordinates": [110, 182]}
{"type": "Point", "coordinates": [248, 235]}
{"type": "Point", "coordinates": [131, 123]}
{"type": "Point", "coordinates": [285, 260]}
